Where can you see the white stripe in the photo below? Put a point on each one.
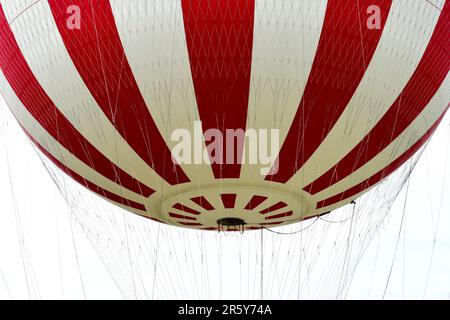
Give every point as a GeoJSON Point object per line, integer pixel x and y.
{"type": "Point", "coordinates": [43, 48]}
{"type": "Point", "coordinates": [405, 37]}
{"type": "Point", "coordinates": [390, 180]}
{"type": "Point", "coordinates": [402, 143]}
{"type": "Point", "coordinates": [13, 9]}
{"type": "Point", "coordinates": [286, 35]}
{"type": "Point", "coordinates": [58, 151]}
{"type": "Point", "coordinates": [153, 37]}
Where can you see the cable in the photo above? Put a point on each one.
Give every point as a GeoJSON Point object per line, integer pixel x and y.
{"type": "Point", "coordinates": [290, 233]}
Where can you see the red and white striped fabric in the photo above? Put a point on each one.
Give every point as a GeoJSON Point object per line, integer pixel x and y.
{"type": "Point", "coordinates": [351, 102]}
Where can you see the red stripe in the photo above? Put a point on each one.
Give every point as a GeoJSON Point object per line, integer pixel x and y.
{"type": "Point", "coordinates": [84, 182]}
{"type": "Point", "coordinates": [271, 223]}
{"type": "Point", "coordinates": [40, 106]}
{"type": "Point", "coordinates": [382, 173]}
{"type": "Point", "coordinates": [345, 49]}
{"type": "Point", "coordinates": [179, 216]}
{"type": "Point", "coordinates": [219, 35]}
{"type": "Point", "coordinates": [190, 224]}
{"type": "Point", "coordinates": [281, 215]}
{"type": "Point", "coordinates": [202, 202]}
{"type": "Point", "coordinates": [181, 207]}
{"type": "Point", "coordinates": [422, 86]}
{"type": "Point", "coordinates": [98, 54]}
{"type": "Point", "coordinates": [274, 207]}
{"type": "Point", "coordinates": [254, 202]}
{"type": "Point", "coordinates": [228, 200]}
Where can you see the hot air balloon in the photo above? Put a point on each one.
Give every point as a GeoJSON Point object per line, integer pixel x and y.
{"type": "Point", "coordinates": [237, 114]}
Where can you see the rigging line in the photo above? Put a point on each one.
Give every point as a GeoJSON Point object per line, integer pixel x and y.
{"type": "Point", "coordinates": [89, 223]}
{"type": "Point", "coordinates": [330, 263]}
{"type": "Point", "coordinates": [398, 236]}
{"type": "Point", "coordinates": [5, 283]}
{"type": "Point", "coordinates": [156, 261]}
{"type": "Point", "coordinates": [165, 278]}
{"type": "Point", "coordinates": [58, 243]}
{"type": "Point", "coordinates": [286, 270]}
{"type": "Point", "coordinates": [71, 216]}
{"type": "Point", "coordinates": [344, 274]}
{"type": "Point", "coordinates": [346, 277]}
{"type": "Point", "coordinates": [219, 262]}
{"type": "Point", "coordinates": [404, 263]}
{"type": "Point", "coordinates": [206, 267]}
{"type": "Point", "coordinates": [358, 257]}
{"type": "Point", "coordinates": [373, 269]}
{"type": "Point", "coordinates": [296, 267]}
{"type": "Point", "coordinates": [137, 254]}
{"type": "Point", "coordinates": [332, 260]}
{"type": "Point", "coordinates": [19, 229]}
{"type": "Point", "coordinates": [248, 269]}
{"type": "Point", "coordinates": [435, 230]}
{"type": "Point", "coordinates": [76, 253]}
{"type": "Point", "coordinates": [435, 6]}
{"type": "Point", "coordinates": [279, 273]}
{"type": "Point", "coordinates": [290, 270]}
{"type": "Point", "coordinates": [290, 233]}
{"type": "Point", "coordinates": [166, 264]}
{"type": "Point", "coordinates": [203, 267]}
{"type": "Point", "coordinates": [194, 269]}
{"type": "Point", "coordinates": [274, 267]}
{"type": "Point", "coordinates": [178, 260]}
{"type": "Point", "coordinates": [340, 221]}
{"type": "Point", "coordinates": [23, 11]}
{"type": "Point", "coordinates": [255, 267]}
{"type": "Point", "coordinates": [262, 263]}
{"type": "Point", "coordinates": [189, 260]}
{"type": "Point", "coordinates": [135, 236]}
{"type": "Point", "coordinates": [310, 245]}
{"type": "Point", "coordinates": [300, 267]}
{"type": "Point", "coordinates": [129, 253]}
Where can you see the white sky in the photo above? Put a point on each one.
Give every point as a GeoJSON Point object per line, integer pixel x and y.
{"type": "Point", "coordinates": [44, 254]}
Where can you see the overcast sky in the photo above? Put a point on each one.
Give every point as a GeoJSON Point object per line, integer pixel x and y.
{"type": "Point", "coordinates": [45, 254]}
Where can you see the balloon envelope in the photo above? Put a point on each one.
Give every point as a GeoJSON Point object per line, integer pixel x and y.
{"type": "Point", "coordinates": [232, 114]}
